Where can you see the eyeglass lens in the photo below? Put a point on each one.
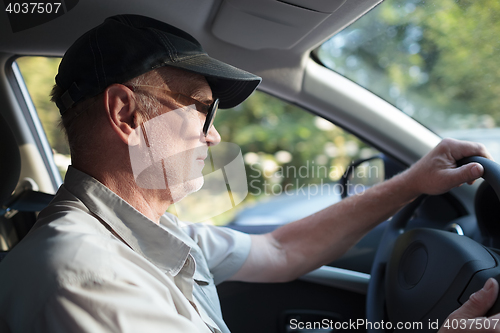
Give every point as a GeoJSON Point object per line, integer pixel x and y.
{"type": "Point", "coordinates": [210, 116]}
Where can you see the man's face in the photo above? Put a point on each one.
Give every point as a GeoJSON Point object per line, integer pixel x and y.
{"type": "Point", "coordinates": [168, 151]}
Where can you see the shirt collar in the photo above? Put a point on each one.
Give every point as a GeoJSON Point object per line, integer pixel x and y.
{"type": "Point", "coordinates": [158, 245]}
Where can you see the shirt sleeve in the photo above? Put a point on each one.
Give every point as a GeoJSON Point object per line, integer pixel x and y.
{"type": "Point", "coordinates": [225, 249]}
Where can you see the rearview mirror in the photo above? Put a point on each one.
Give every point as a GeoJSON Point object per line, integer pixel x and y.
{"type": "Point", "coordinates": [362, 174]}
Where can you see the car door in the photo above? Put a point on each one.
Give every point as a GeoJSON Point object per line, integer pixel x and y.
{"type": "Point", "coordinates": [294, 171]}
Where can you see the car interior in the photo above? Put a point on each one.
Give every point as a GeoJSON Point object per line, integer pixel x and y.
{"type": "Point", "coordinates": [448, 249]}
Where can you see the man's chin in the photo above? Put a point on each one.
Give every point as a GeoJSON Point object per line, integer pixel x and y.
{"type": "Point", "coordinates": [181, 191]}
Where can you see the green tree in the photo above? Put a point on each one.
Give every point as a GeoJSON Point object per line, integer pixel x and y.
{"type": "Point", "coordinates": [434, 59]}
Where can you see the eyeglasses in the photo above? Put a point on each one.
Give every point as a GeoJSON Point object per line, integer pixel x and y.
{"type": "Point", "coordinates": [209, 110]}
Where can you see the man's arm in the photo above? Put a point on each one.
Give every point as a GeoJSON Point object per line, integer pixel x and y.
{"type": "Point", "coordinates": [297, 248]}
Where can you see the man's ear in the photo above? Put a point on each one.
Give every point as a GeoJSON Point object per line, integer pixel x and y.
{"type": "Point", "coordinates": [121, 109]}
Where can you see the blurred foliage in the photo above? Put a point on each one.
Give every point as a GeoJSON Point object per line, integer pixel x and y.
{"type": "Point", "coordinates": [283, 144]}
{"type": "Point", "coordinates": [435, 59]}
{"type": "Point", "coordinates": [38, 74]}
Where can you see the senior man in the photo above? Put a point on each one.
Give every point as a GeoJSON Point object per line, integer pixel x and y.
{"type": "Point", "coordinates": [105, 257]}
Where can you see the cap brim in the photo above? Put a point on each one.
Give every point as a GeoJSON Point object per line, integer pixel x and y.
{"type": "Point", "coordinates": [230, 84]}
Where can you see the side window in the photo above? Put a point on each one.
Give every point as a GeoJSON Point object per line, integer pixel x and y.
{"type": "Point", "coordinates": [292, 158]}
{"type": "Point", "coordinates": [38, 74]}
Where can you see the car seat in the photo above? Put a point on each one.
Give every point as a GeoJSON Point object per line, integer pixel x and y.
{"type": "Point", "coordinates": [17, 205]}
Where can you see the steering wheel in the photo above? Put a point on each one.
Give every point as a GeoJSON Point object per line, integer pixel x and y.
{"type": "Point", "coordinates": [422, 275]}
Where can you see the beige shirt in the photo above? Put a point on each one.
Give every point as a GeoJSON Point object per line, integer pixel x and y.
{"type": "Point", "coordinates": [92, 263]}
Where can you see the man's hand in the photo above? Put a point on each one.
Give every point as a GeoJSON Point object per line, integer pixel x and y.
{"type": "Point", "coordinates": [437, 171]}
{"type": "Point", "coordinates": [469, 317]}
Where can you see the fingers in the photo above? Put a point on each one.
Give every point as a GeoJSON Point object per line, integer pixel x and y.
{"type": "Point", "coordinates": [480, 302]}
{"type": "Point", "coordinates": [467, 173]}
{"type": "Point", "coordinates": [472, 312]}
{"type": "Point", "coordinates": [460, 149]}
{"type": "Point", "coordinates": [476, 170]}
{"type": "Point", "coordinates": [440, 166]}
{"type": "Point", "coordinates": [437, 172]}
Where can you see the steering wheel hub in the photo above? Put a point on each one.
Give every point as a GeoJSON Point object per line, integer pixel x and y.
{"type": "Point", "coordinates": [428, 271]}
{"type": "Point", "coordinates": [413, 264]}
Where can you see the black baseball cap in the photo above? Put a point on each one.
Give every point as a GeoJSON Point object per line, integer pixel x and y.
{"type": "Point", "coordinates": [126, 46]}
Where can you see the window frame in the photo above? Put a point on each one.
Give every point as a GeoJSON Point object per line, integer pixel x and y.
{"type": "Point", "coordinates": [31, 119]}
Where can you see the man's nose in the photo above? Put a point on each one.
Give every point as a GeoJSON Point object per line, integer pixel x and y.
{"type": "Point", "coordinates": [213, 136]}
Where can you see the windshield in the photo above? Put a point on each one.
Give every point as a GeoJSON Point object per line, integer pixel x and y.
{"type": "Point", "coordinates": [435, 60]}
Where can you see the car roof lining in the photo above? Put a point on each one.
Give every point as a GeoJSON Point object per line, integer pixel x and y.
{"type": "Point", "coordinates": [282, 69]}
